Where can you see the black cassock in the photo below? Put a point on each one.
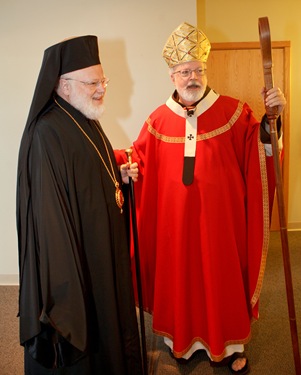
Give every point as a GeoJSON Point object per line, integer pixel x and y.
{"type": "Point", "coordinates": [75, 278]}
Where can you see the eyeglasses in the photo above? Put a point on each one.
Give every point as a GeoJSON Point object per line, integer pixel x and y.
{"type": "Point", "coordinates": [92, 84]}
{"type": "Point", "coordinates": [185, 73]}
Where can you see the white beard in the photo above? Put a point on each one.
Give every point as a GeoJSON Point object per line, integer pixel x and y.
{"type": "Point", "coordinates": [93, 112]}
{"type": "Point", "coordinates": [191, 95]}
{"type": "Point", "coordinates": [89, 109]}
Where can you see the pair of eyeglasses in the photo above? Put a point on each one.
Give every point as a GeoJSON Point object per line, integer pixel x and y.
{"type": "Point", "coordinates": [92, 84]}
{"type": "Point", "coordinates": [185, 73]}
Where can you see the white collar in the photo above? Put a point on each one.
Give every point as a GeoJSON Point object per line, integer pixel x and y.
{"type": "Point", "coordinates": [201, 107]}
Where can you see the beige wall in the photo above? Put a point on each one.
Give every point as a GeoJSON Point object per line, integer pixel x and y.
{"type": "Point", "coordinates": [237, 21]}
{"type": "Point", "coordinates": [131, 35]}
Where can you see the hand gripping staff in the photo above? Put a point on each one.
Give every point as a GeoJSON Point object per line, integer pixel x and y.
{"type": "Point", "coordinates": [137, 266]}
{"type": "Point", "coordinates": [266, 52]}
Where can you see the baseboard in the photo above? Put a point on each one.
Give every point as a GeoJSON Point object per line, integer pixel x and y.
{"type": "Point", "coordinates": [9, 279]}
{"type": "Point", "coordinates": [294, 226]}
{"type": "Point", "coordinates": [13, 279]}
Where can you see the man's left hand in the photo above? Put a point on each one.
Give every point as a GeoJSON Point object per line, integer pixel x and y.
{"type": "Point", "coordinates": [274, 97]}
{"type": "Point", "coordinates": [129, 170]}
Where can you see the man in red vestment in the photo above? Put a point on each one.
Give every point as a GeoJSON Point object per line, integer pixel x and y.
{"type": "Point", "coordinates": [203, 205]}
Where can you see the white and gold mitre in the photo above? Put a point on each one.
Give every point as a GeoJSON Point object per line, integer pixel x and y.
{"type": "Point", "coordinates": [185, 44]}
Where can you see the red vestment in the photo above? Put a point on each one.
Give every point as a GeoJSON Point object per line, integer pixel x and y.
{"type": "Point", "coordinates": [203, 246]}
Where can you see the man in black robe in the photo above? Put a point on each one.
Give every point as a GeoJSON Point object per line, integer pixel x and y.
{"type": "Point", "coordinates": [76, 305]}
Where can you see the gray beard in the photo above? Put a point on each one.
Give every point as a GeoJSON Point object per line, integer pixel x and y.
{"type": "Point", "coordinates": [192, 96]}
{"type": "Point", "coordinates": [92, 112]}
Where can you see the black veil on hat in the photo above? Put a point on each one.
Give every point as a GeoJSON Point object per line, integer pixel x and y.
{"type": "Point", "coordinates": [67, 56]}
{"type": "Point", "coordinates": [64, 57]}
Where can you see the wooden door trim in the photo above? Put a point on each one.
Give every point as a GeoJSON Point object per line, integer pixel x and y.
{"type": "Point", "coordinates": [247, 45]}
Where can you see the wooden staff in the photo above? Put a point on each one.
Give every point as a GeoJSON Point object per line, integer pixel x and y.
{"type": "Point", "coordinates": [137, 266]}
{"type": "Point", "coordinates": [272, 114]}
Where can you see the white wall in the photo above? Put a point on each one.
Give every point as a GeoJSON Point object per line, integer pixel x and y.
{"type": "Point", "coordinates": [131, 37]}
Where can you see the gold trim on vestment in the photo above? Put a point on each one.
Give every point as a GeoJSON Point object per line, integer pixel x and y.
{"type": "Point", "coordinates": [266, 223]}
{"type": "Point", "coordinates": [200, 137]}
{"type": "Point", "coordinates": [216, 358]}
{"type": "Point", "coordinates": [266, 220]}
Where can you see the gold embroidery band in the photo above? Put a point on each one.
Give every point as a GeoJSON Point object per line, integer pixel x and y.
{"type": "Point", "coordinates": [200, 137]}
